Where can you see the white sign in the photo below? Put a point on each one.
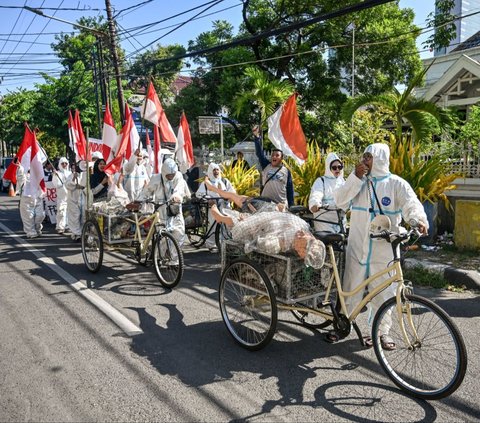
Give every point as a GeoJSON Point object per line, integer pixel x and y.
{"type": "Point", "coordinates": [50, 202]}
{"type": "Point", "coordinates": [208, 125]}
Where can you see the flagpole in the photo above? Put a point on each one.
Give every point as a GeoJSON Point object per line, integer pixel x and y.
{"type": "Point", "coordinates": [88, 189]}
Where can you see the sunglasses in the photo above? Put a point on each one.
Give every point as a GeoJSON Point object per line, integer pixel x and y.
{"type": "Point", "coordinates": [337, 167]}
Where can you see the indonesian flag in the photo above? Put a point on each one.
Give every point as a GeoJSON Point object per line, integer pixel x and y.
{"type": "Point", "coordinates": [72, 135]}
{"type": "Point", "coordinates": [37, 175]}
{"type": "Point", "coordinates": [24, 155]}
{"type": "Point", "coordinates": [128, 144]}
{"type": "Point", "coordinates": [285, 131]}
{"type": "Point", "coordinates": [109, 136]}
{"type": "Point", "coordinates": [81, 142]}
{"type": "Point", "coordinates": [153, 112]}
{"type": "Point", "coordinates": [184, 149]}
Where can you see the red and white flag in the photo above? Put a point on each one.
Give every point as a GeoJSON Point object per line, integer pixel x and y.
{"type": "Point", "coordinates": [37, 176]}
{"type": "Point", "coordinates": [81, 141]}
{"type": "Point", "coordinates": [24, 155]}
{"type": "Point", "coordinates": [129, 143]}
{"type": "Point", "coordinates": [286, 133]}
{"type": "Point", "coordinates": [72, 135]}
{"type": "Point", "coordinates": [109, 136]}
{"type": "Point", "coordinates": [153, 112]}
{"type": "Point", "coordinates": [184, 149]}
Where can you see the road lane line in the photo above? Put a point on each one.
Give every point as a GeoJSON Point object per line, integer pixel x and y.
{"type": "Point", "coordinates": [106, 308]}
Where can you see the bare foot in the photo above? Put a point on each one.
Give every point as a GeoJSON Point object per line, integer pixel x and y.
{"type": "Point", "coordinates": [220, 217]}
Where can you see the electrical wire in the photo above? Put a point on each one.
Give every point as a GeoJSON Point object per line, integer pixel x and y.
{"type": "Point", "coordinates": [131, 7]}
{"type": "Point", "coordinates": [177, 27]}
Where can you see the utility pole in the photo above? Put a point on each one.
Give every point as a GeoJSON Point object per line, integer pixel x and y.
{"type": "Point", "coordinates": [113, 49]}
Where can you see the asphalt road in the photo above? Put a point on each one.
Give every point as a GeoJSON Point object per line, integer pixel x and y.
{"type": "Point", "coordinates": [63, 359]}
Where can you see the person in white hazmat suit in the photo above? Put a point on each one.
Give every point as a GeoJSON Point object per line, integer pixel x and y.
{"type": "Point", "coordinates": [370, 191]}
{"type": "Point", "coordinates": [215, 178]}
{"type": "Point", "coordinates": [32, 210]}
{"type": "Point", "coordinates": [60, 180]}
{"type": "Point", "coordinates": [321, 194]}
{"type": "Point", "coordinates": [135, 175]}
{"type": "Point", "coordinates": [169, 185]}
{"type": "Point", "coordinates": [76, 199]}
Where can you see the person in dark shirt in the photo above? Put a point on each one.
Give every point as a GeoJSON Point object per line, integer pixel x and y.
{"type": "Point", "coordinates": [240, 161]}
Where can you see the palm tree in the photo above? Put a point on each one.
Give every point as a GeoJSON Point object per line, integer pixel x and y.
{"type": "Point", "coordinates": [404, 107]}
{"type": "Point", "coordinates": [267, 94]}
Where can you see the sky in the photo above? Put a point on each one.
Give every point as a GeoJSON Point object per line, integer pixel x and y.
{"type": "Point", "coordinates": [25, 37]}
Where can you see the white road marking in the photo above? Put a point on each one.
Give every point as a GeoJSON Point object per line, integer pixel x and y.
{"type": "Point", "coordinates": [111, 312]}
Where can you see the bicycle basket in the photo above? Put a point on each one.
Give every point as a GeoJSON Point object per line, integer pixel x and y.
{"type": "Point", "coordinates": [191, 214]}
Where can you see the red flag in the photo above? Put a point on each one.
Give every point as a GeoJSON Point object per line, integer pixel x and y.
{"type": "Point", "coordinates": [24, 155]}
{"type": "Point", "coordinates": [81, 140]}
{"type": "Point", "coordinates": [128, 134]}
{"type": "Point", "coordinates": [109, 136]}
{"type": "Point", "coordinates": [37, 177]}
{"type": "Point", "coordinates": [285, 131]}
{"type": "Point", "coordinates": [156, 149]}
{"type": "Point", "coordinates": [184, 150]}
{"type": "Point", "coordinates": [153, 112]}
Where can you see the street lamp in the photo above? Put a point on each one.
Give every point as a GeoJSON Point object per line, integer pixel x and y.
{"type": "Point", "coordinates": [98, 33]}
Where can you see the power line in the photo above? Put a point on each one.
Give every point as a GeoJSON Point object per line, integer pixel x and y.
{"type": "Point", "coordinates": [149, 25]}
{"type": "Point", "coordinates": [278, 31]}
{"type": "Point", "coordinates": [141, 33]}
{"type": "Point", "coordinates": [75, 9]}
{"type": "Point", "coordinates": [131, 7]}
{"type": "Point", "coordinates": [177, 27]}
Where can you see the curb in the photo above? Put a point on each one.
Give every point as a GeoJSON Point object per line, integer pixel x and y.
{"type": "Point", "coordinates": [458, 277]}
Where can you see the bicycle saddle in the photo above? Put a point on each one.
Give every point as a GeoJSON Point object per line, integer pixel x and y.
{"type": "Point", "coordinates": [329, 237]}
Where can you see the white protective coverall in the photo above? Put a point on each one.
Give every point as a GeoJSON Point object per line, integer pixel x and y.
{"type": "Point", "coordinates": [135, 177]}
{"type": "Point", "coordinates": [76, 202]}
{"type": "Point", "coordinates": [60, 179]}
{"type": "Point", "coordinates": [222, 183]}
{"type": "Point", "coordinates": [163, 189]}
{"type": "Point", "coordinates": [321, 194]}
{"type": "Point", "coordinates": [365, 256]}
{"type": "Point", "coordinates": [32, 210]}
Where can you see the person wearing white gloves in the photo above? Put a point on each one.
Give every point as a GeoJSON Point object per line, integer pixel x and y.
{"type": "Point", "coordinates": [321, 194]}
{"type": "Point", "coordinates": [135, 175]}
{"type": "Point", "coordinates": [32, 210]}
{"type": "Point", "coordinates": [76, 199]}
{"type": "Point", "coordinates": [371, 190]}
{"type": "Point", "coordinates": [60, 180]}
{"type": "Point", "coordinates": [215, 178]}
{"type": "Point", "coordinates": [169, 185]}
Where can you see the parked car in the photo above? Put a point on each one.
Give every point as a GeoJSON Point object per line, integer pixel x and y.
{"type": "Point", "coordinates": [4, 163]}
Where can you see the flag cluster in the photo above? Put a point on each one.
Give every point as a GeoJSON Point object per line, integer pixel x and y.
{"type": "Point", "coordinates": [31, 156]}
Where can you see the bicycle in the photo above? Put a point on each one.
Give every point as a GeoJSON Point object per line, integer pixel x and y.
{"type": "Point", "coordinates": [197, 227]}
{"type": "Point", "coordinates": [124, 233]}
{"type": "Point", "coordinates": [429, 360]}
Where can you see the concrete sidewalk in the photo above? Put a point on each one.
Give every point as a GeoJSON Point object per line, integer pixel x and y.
{"type": "Point", "coordinates": [458, 277]}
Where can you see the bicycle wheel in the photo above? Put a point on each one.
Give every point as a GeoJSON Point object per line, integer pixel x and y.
{"type": "Point", "coordinates": [168, 260]}
{"type": "Point", "coordinates": [196, 236]}
{"type": "Point", "coordinates": [92, 245]}
{"type": "Point", "coordinates": [221, 233]}
{"type": "Point", "coordinates": [435, 365]}
{"type": "Point", "coordinates": [248, 305]}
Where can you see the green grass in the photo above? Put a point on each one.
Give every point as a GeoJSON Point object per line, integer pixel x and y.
{"type": "Point", "coordinates": [421, 276]}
